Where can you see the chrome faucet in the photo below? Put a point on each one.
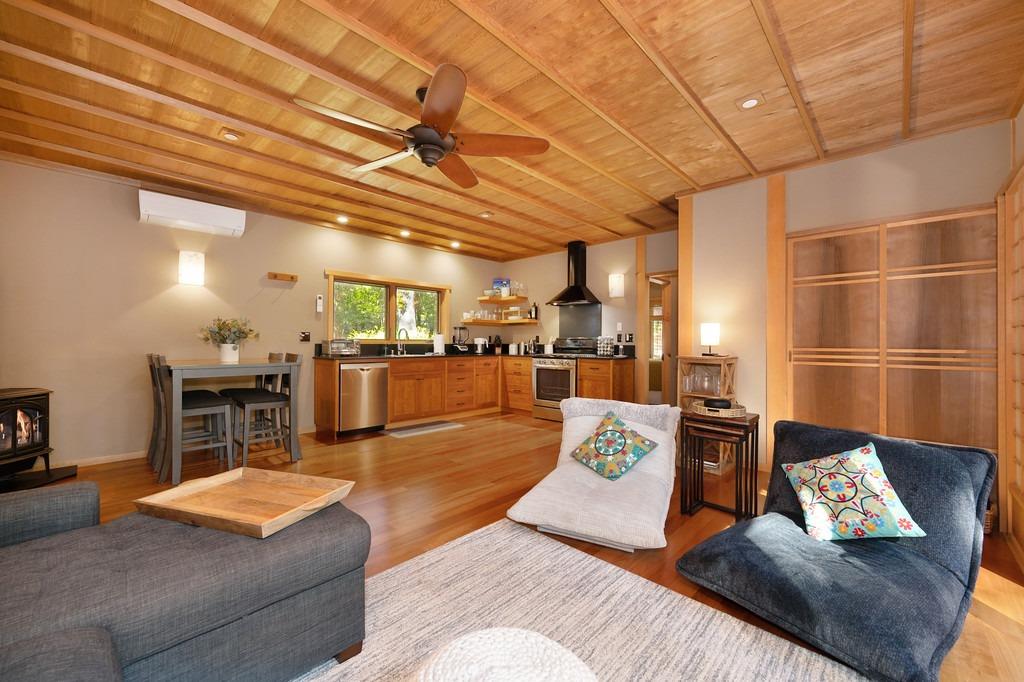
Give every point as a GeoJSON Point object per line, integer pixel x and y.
{"type": "Point", "coordinates": [398, 337]}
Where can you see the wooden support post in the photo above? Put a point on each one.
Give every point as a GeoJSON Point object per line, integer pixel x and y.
{"type": "Point", "coordinates": [777, 398]}
{"type": "Point", "coordinates": [642, 336]}
{"type": "Point", "coordinates": [684, 266]}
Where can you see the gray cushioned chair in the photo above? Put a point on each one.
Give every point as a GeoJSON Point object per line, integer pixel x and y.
{"type": "Point", "coordinates": [891, 608]}
{"type": "Point", "coordinates": [153, 599]}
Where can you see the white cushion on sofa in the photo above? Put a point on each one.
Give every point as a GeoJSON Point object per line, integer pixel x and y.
{"type": "Point", "coordinates": [626, 513]}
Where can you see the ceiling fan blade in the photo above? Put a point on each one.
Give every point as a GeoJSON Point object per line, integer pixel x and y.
{"type": "Point", "coordinates": [349, 118]}
{"type": "Point", "coordinates": [444, 98]}
{"type": "Point", "coordinates": [383, 161]}
{"type": "Point", "coordinates": [458, 171]}
{"type": "Point", "coordinates": [487, 144]}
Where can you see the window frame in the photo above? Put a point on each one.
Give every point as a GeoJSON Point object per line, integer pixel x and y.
{"type": "Point", "coordinates": [391, 313]}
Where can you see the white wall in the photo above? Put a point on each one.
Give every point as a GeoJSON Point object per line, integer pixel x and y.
{"type": "Point", "coordinates": [662, 251]}
{"type": "Point", "coordinates": [962, 168]}
{"type": "Point", "coordinates": [729, 270]}
{"type": "Point", "coordinates": [1019, 149]}
{"type": "Point", "coordinates": [86, 291]}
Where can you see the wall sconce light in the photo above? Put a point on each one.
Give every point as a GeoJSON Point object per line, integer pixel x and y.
{"type": "Point", "coordinates": [710, 335]}
{"type": "Point", "coordinates": [192, 268]}
{"type": "Point", "coordinates": [616, 285]}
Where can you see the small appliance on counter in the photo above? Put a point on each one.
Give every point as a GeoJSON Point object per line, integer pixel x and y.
{"type": "Point", "coordinates": [481, 345]}
{"type": "Point", "coordinates": [341, 347]}
{"type": "Point", "coordinates": [460, 340]}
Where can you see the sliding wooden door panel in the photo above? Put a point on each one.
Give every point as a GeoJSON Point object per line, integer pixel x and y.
{"type": "Point", "coordinates": [946, 406]}
{"type": "Point", "coordinates": [943, 311]}
{"type": "Point", "coordinates": [962, 240]}
{"type": "Point", "coordinates": [842, 397]}
{"type": "Point", "coordinates": [844, 253]}
{"type": "Point", "coordinates": [836, 315]}
{"type": "Point", "coordinates": [893, 328]}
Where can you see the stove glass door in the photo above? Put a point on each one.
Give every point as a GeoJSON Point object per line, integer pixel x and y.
{"type": "Point", "coordinates": [551, 385]}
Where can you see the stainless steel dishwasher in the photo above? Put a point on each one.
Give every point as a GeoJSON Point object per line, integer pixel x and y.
{"type": "Point", "coordinates": [363, 399]}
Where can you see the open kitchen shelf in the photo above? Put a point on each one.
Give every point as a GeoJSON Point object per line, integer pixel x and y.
{"type": "Point", "coordinates": [499, 323]}
{"type": "Point", "coordinates": [497, 300]}
{"type": "Point", "coordinates": [503, 303]}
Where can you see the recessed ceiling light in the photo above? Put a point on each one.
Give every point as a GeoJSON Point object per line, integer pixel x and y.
{"type": "Point", "coordinates": [456, 245]}
{"type": "Point", "coordinates": [748, 102]}
{"type": "Point", "coordinates": [405, 233]}
{"type": "Point", "coordinates": [486, 214]}
{"type": "Point", "coordinates": [343, 219]}
{"type": "Point", "coordinates": [230, 135]}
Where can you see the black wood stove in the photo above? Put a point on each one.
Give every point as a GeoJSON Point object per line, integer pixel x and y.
{"type": "Point", "coordinates": [24, 438]}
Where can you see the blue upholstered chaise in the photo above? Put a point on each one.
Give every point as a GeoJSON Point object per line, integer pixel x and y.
{"type": "Point", "coordinates": [891, 608]}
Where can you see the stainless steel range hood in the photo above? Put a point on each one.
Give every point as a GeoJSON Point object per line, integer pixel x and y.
{"type": "Point", "coordinates": [577, 292]}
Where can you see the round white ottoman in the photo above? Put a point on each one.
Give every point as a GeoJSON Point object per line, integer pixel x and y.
{"type": "Point", "coordinates": [504, 655]}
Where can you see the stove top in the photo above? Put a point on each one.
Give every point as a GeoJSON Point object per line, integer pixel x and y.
{"type": "Point", "coordinates": [568, 356]}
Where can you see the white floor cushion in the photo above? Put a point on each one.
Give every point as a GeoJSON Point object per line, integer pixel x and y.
{"type": "Point", "coordinates": [504, 655]}
{"type": "Point", "coordinates": [626, 513]}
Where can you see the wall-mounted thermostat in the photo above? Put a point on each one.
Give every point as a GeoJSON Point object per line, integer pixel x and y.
{"type": "Point", "coordinates": [319, 303]}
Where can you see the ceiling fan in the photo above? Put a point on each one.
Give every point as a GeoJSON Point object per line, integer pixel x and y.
{"type": "Point", "coordinates": [432, 140]}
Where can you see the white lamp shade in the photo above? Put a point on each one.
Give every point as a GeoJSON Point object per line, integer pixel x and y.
{"type": "Point", "coordinates": [710, 333]}
{"type": "Point", "coordinates": [192, 268]}
{"type": "Point", "coordinates": [616, 285]}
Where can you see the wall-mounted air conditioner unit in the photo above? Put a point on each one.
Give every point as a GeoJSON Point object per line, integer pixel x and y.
{"type": "Point", "coordinates": [186, 214]}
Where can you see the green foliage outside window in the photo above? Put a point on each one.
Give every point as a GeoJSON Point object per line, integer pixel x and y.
{"type": "Point", "coordinates": [360, 311]}
{"type": "Point", "coordinates": [417, 313]}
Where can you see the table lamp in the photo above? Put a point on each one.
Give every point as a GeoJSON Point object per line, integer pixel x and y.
{"type": "Point", "coordinates": [710, 335]}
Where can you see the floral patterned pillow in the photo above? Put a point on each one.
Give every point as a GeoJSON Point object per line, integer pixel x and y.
{"type": "Point", "coordinates": [613, 449]}
{"type": "Point", "coordinates": [848, 496]}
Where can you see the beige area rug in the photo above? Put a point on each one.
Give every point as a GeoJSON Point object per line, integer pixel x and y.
{"type": "Point", "coordinates": [621, 625]}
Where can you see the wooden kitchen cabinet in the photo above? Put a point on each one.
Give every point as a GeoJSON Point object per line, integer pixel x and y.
{"type": "Point", "coordinates": [485, 383]}
{"type": "Point", "coordinates": [517, 381]}
{"type": "Point", "coordinates": [415, 389]}
{"type": "Point", "coordinates": [402, 397]}
{"type": "Point", "coordinates": [430, 395]}
{"type": "Point", "coordinates": [605, 379]}
{"type": "Point", "coordinates": [460, 380]}
{"type": "Point", "coordinates": [325, 395]}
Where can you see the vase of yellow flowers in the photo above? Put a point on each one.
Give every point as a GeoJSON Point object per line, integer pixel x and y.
{"type": "Point", "coordinates": [228, 335]}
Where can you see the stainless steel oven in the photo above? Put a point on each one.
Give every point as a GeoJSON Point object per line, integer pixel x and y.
{"type": "Point", "coordinates": [554, 380]}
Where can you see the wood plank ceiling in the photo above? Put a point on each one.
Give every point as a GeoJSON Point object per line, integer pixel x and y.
{"type": "Point", "coordinates": [639, 99]}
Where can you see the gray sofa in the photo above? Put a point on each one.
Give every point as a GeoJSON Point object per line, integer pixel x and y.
{"type": "Point", "coordinates": [891, 608]}
{"type": "Point", "coordinates": [149, 599]}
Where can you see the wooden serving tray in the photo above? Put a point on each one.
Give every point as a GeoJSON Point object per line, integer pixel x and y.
{"type": "Point", "coordinates": [247, 501]}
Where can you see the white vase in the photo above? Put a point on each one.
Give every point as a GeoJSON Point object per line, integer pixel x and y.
{"type": "Point", "coordinates": [229, 352]}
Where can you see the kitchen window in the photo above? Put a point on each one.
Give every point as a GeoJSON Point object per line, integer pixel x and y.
{"type": "Point", "coordinates": [416, 313]}
{"type": "Point", "coordinates": [359, 310]}
{"type": "Point", "coordinates": [380, 310]}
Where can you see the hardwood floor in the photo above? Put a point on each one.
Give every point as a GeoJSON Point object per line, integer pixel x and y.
{"type": "Point", "coordinates": [418, 493]}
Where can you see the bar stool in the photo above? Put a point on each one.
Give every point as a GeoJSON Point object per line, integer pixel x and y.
{"type": "Point", "coordinates": [269, 404]}
{"type": "Point", "coordinates": [215, 409]}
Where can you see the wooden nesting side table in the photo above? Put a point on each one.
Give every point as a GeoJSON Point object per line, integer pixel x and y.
{"type": "Point", "coordinates": [739, 432]}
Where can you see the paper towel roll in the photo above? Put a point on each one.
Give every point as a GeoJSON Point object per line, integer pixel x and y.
{"type": "Point", "coordinates": [438, 344]}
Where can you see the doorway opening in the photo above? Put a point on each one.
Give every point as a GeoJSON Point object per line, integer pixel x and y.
{"type": "Point", "coordinates": [662, 290]}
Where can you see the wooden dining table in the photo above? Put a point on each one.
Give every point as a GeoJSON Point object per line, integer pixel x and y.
{"type": "Point", "coordinates": [185, 370]}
